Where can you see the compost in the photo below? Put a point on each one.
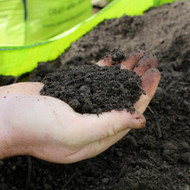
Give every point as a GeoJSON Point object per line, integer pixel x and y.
{"type": "Point", "coordinates": [94, 89]}
{"type": "Point", "coordinates": [156, 157]}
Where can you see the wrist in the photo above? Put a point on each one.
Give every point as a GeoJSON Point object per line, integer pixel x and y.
{"type": "Point", "coordinates": [8, 140]}
{"type": "Point", "coordinates": [4, 139]}
{"type": "Point", "coordinates": [3, 134]}
{"type": "Point", "coordinates": [14, 139]}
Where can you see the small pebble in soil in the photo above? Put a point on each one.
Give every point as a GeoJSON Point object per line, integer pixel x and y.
{"type": "Point", "coordinates": [94, 89]}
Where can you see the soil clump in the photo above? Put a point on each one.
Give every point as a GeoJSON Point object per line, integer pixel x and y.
{"type": "Point", "coordinates": [156, 157]}
{"type": "Point", "coordinates": [94, 89]}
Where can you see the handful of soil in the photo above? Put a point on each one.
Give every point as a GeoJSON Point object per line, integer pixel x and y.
{"type": "Point", "coordinates": [94, 89]}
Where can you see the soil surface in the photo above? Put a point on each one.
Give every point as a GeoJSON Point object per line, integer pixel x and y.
{"type": "Point", "coordinates": [153, 158]}
{"type": "Point", "coordinates": [94, 89]}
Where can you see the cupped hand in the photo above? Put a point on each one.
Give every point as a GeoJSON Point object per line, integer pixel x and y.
{"type": "Point", "coordinates": [49, 129]}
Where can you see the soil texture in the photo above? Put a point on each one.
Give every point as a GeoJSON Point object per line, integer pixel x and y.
{"type": "Point", "coordinates": [6, 80]}
{"type": "Point", "coordinates": [94, 89]}
{"type": "Point", "coordinates": [156, 157]}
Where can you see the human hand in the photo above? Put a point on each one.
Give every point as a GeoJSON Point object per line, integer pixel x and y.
{"type": "Point", "coordinates": [49, 129]}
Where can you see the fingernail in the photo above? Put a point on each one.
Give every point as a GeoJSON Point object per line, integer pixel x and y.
{"type": "Point", "coordinates": [138, 122]}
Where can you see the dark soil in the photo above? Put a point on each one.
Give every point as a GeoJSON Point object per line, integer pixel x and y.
{"type": "Point", "coordinates": [154, 158]}
{"type": "Point", "coordinates": [94, 89]}
{"type": "Point", "coordinates": [6, 80]}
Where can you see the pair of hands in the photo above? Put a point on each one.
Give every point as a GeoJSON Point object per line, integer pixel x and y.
{"type": "Point", "coordinates": [48, 128]}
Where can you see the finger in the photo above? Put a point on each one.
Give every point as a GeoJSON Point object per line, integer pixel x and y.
{"type": "Point", "coordinates": [132, 60]}
{"type": "Point", "coordinates": [95, 148]}
{"type": "Point", "coordinates": [106, 61]}
{"type": "Point", "coordinates": [107, 124]}
{"type": "Point", "coordinates": [150, 81]}
{"type": "Point", "coordinates": [147, 62]}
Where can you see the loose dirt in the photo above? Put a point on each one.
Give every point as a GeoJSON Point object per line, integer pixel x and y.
{"type": "Point", "coordinates": [154, 158]}
{"type": "Point", "coordinates": [94, 89]}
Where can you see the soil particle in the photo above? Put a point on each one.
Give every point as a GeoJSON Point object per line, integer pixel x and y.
{"type": "Point", "coordinates": [95, 89]}
{"type": "Point", "coordinates": [6, 80]}
{"type": "Point", "coordinates": [153, 158]}
{"type": "Point", "coordinates": [117, 56]}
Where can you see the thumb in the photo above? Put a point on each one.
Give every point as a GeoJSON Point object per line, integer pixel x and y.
{"type": "Point", "coordinates": [108, 124]}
